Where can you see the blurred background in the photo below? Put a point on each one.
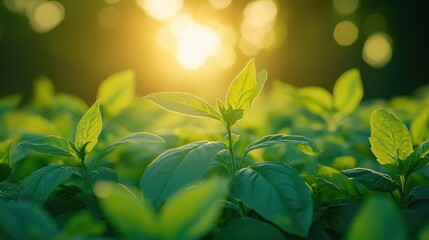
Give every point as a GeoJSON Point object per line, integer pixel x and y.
{"type": "Point", "coordinates": [199, 46]}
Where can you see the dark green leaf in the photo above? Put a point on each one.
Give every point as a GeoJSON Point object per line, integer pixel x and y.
{"type": "Point", "coordinates": [184, 103]}
{"type": "Point", "coordinates": [103, 174]}
{"type": "Point", "coordinates": [8, 191]}
{"type": "Point", "coordinates": [177, 168]}
{"type": "Point", "coordinates": [50, 145]}
{"type": "Point", "coordinates": [249, 229]}
{"type": "Point", "coordinates": [20, 220]}
{"type": "Point", "coordinates": [339, 215]}
{"type": "Point", "coordinates": [82, 224]}
{"type": "Point", "coordinates": [5, 152]}
{"type": "Point", "coordinates": [39, 185]}
{"type": "Point", "coordinates": [373, 180]}
{"type": "Point", "coordinates": [420, 192]}
{"type": "Point", "coordinates": [390, 141]}
{"type": "Point", "coordinates": [417, 159]}
{"type": "Point", "coordinates": [341, 181]}
{"type": "Point", "coordinates": [348, 92]}
{"type": "Point", "coordinates": [377, 219]}
{"type": "Point", "coordinates": [5, 171]}
{"type": "Point", "coordinates": [277, 193]}
{"type": "Point", "coordinates": [133, 137]}
{"type": "Point", "coordinates": [89, 128]}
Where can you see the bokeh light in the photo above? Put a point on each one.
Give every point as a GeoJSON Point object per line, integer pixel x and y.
{"type": "Point", "coordinates": [162, 10]}
{"type": "Point", "coordinates": [377, 50]}
{"type": "Point", "coordinates": [345, 33]}
{"type": "Point", "coordinates": [346, 7]}
{"type": "Point", "coordinates": [46, 16]}
{"type": "Point", "coordinates": [220, 4]}
{"type": "Point", "coordinates": [109, 17]}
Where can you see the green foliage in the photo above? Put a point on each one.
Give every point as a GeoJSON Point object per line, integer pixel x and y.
{"type": "Point", "coordinates": [250, 229]}
{"type": "Point", "coordinates": [81, 225]}
{"type": "Point", "coordinates": [348, 92]}
{"type": "Point", "coordinates": [5, 166]}
{"type": "Point", "coordinates": [373, 180]}
{"type": "Point", "coordinates": [88, 129]}
{"type": "Point", "coordinates": [420, 127]}
{"type": "Point", "coordinates": [51, 145]}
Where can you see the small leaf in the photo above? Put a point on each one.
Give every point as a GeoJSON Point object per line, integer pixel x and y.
{"type": "Point", "coordinates": [348, 92]}
{"type": "Point", "coordinates": [82, 224]}
{"type": "Point", "coordinates": [420, 127]}
{"type": "Point", "coordinates": [50, 145]}
{"type": "Point", "coordinates": [103, 174]}
{"type": "Point", "coordinates": [373, 180]}
{"type": "Point", "coordinates": [249, 229]}
{"type": "Point", "coordinates": [417, 159]}
{"type": "Point", "coordinates": [277, 193]}
{"type": "Point", "coordinates": [192, 212]}
{"type": "Point", "coordinates": [21, 220]}
{"type": "Point", "coordinates": [133, 137]}
{"type": "Point", "coordinates": [316, 99]}
{"type": "Point", "coordinates": [89, 128]}
{"type": "Point", "coordinates": [390, 141]}
{"type": "Point", "coordinates": [176, 168]}
{"type": "Point", "coordinates": [184, 103]}
{"type": "Point", "coordinates": [377, 219]}
{"type": "Point", "coordinates": [304, 144]}
{"type": "Point", "coordinates": [39, 185]}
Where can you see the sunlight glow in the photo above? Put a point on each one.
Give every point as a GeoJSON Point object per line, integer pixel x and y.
{"type": "Point", "coordinates": [161, 10]}
{"type": "Point", "coordinates": [377, 50]}
{"type": "Point", "coordinates": [346, 7]}
{"type": "Point", "coordinates": [46, 16]}
{"type": "Point", "coordinates": [109, 17]}
{"type": "Point", "coordinates": [345, 33]}
{"type": "Point", "coordinates": [220, 4]}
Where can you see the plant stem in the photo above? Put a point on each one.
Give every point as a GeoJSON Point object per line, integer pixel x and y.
{"type": "Point", "coordinates": [231, 149]}
{"type": "Point", "coordinates": [403, 190]}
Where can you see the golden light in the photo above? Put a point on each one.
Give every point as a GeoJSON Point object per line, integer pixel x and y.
{"type": "Point", "coordinates": [377, 50]}
{"type": "Point", "coordinates": [161, 10]}
{"type": "Point", "coordinates": [112, 1]}
{"type": "Point", "coordinates": [346, 7]}
{"type": "Point", "coordinates": [345, 33]}
{"type": "Point", "coordinates": [165, 39]}
{"type": "Point", "coordinates": [220, 4]}
{"type": "Point", "coordinates": [109, 17]}
{"type": "Point", "coordinates": [46, 16]}
{"type": "Point", "coordinates": [226, 56]}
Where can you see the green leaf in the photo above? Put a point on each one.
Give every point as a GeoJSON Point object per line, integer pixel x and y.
{"type": "Point", "coordinates": [423, 234]}
{"type": "Point", "coordinates": [133, 217]}
{"type": "Point", "coordinates": [10, 102]}
{"type": "Point", "coordinates": [390, 141]}
{"type": "Point", "coordinates": [277, 193]}
{"type": "Point", "coordinates": [249, 229]}
{"type": "Point", "coordinates": [44, 93]}
{"type": "Point", "coordinates": [82, 224]}
{"type": "Point", "coordinates": [348, 92]}
{"type": "Point", "coordinates": [341, 181]}
{"type": "Point", "coordinates": [5, 167]}
{"type": "Point", "coordinates": [8, 191]}
{"type": "Point", "coordinates": [316, 99]}
{"type": "Point", "coordinates": [103, 174]}
{"type": "Point", "coordinates": [377, 219]}
{"type": "Point", "coordinates": [21, 220]}
{"type": "Point", "coordinates": [420, 192]}
{"type": "Point", "coordinates": [304, 144]}
{"type": "Point", "coordinates": [89, 128]}
{"type": "Point", "coordinates": [339, 214]}
{"type": "Point", "coordinates": [420, 127]}
{"type": "Point", "coordinates": [192, 212]}
{"type": "Point", "coordinates": [39, 185]}
{"type": "Point", "coordinates": [50, 145]}
{"type": "Point", "coordinates": [417, 159]}
{"type": "Point", "coordinates": [133, 137]}
{"type": "Point", "coordinates": [177, 168]}
{"type": "Point", "coordinates": [373, 180]}
{"type": "Point", "coordinates": [184, 103]}
{"type": "Point", "coordinates": [245, 87]}
{"type": "Point", "coordinates": [117, 92]}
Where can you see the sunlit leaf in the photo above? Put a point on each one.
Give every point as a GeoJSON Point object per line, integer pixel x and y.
{"type": "Point", "coordinates": [249, 229]}
{"type": "Point", "coordinates": [177, 168]}
{"type": "Point", "coordinates": [37, 186]}
{"type": "Point", "coordinates": [5, 151]}
{"type": "Point", "coordinates": [377, 219]}
{"type": "Point", "coordinates": [420, 127]}
{"type": "Point", "coordinates": [117, 92]}
{"type": "Point", "coordinates": [390, 140]}
{"type": "Point", "coordinates": [348, 91]}
{"type": "Point", "coordinates": [184, 103]}
{"type": "Point", "coordinates": [89, 128]}
{"type": "Point", "coordinates": [82, 224]}
{"type": "Point", "coordinates": [373, 180]}
{"type": "Point", "coordinates": [417, 159]}
{"type": "Point", "coordinates": [50, 145]}
{"type": "Point", "coordinates": [277, 193]}
{"type": "Point", "coordinates": [316, 99]}
{"type": "Point", "coordinates": [192, 212]}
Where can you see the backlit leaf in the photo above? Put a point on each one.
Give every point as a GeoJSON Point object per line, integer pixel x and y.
{"type": "Point", "coordinates": [89, 128]}
{"type": "Point", "coordinates": [316, 99]}
{"type": "Point", "coordinates": [373, 180]}
{"type": "Point", "coordinates": [420, 127]}
{"type": "Point", "coordinates": [417, 159]}
{"type": "Point", "coordinates": [50, 145]}
{"type": "Point", "coordinates": [5, 151]}
{"type": "Point", "coordinates": [348, 91]}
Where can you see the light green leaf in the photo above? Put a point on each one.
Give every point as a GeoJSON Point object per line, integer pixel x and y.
{"type": "Point", "coordinates": [8, 191]}
{"type": "Point", "coordinates": [304, 144]}
{"type": "Point", "coordinates": [184, 103]}
{"type": "Point", "coordinates": [277, 193]}
{"type": "Point", "coordinates": [377, 219]}
{"type": "Point", "coordinates": [10, 102]}
{"type": "Point", "coordinates": [373, 180]}
{"type": "Point", "coordinates": [316, 99]}
{"type": "Point", "coordinates": [44, 93]}
{"type": "Point", "coordinates": [420, 127]}
{"type": "Point", "coordinates": [192, 212]}
{"type": "Point", "coordinates": [133, 137]}
{"type": "Point", "coordinates": [417, 159]}
{"type": "Point", "coordinates": [249, 229]}
{"type": "Point", "coordinates": [177, 168]}
{"type": "Point", "coordinates": [117, 92]}
{"type": "Point", "coordinates": [50, 145]}
{"type": "Point", "coordinates": [348, 92]}
{"type": "Point", "coordinates": [37, 186]}
{"type": "Point", "coordinates": [89, 128]}
{"type": "Point", "coordinates": [82, 224]}
{"type": "Point", "coordinates": [21, 220]}
{"type": "Point", "coordinates": [390, 141]}
{"type": "Point", "coordinates": [5, 152]}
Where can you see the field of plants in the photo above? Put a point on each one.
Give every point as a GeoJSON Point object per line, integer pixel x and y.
{"type": "Point", "coordinates": [278, 163]}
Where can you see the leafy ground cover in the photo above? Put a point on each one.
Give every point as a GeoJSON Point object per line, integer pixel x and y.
{"type": "Point", "coordinates": [288, 163]}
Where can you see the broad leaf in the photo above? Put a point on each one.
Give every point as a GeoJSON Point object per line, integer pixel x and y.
{"type": "Point", "coordinates": [417, 159]}
{"type": "Point", "coordinates": [103, 174]}
{"type": "Point", "coordinates": [390, 140]}
{"type": "Point", "coordinates": [82, 224]}
{"type": "Point", "coordinates": [184, 103]}
{"type": "Point", "coordinates": [377, 219]}
{"type": "Point", "coordinates": [8, 191]}
{"type": "Point", "coordinates": [339, 214]}
{"type": "Point", "coordinates": [133, 217]}
{"type": "Point", "coordinates": [348, 92]}
{"type": "Point", "coordinates": [277, 193]}
{"type": "Point", "coordinates": [373, 180]}
{"type": "Point", "coordinates": [249, 229]}
{"type": "Point", "coordinates": [89, 128]}
{"type": "Point", "coordinates": [117, 92]}
{"type": "Point", "coordinates": [192, 212]}
{"type": "Point", "coordinates": [177, 168]}
{"type": "Point", "coordinates": [341, 181]}
{"type": "Point", "coordinates": [50, 145]}
{"type": "Point", "coordinates": [39, 185]}
{"type": "Point", "coordinates": [21, 220]}
{"type": "Point", "coordinates": [304, 144]}
{"type": "Point", "coordinates": [420, 127]}
{"type": "Point", "coordinates": [316, 99]}
{"type": "Point", "coordinates": [133, 137]}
